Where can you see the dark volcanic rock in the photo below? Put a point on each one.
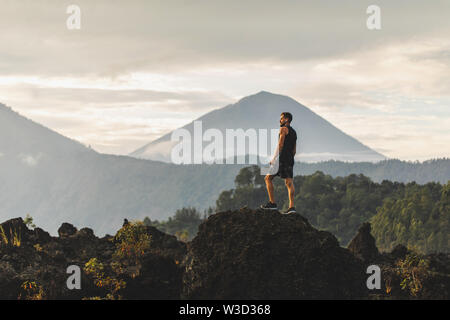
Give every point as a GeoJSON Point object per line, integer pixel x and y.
{"type": "Point", "coordinates": [35, 258]}
{"type": "Point", "coordinates": [242, 254]}
{"type": "Point", "coordinates": [66, 230]}
{"type": "Point", "coordinates": [160, 277]}
{"type": "Point", "coordinates": [363, 244]}
{"type": "Point", "coordinates": [399, 252]}
{"type": "Point", "coordinates": [265, 255]}
{"type": "Point", "coordinates": [14, 230]}
{"type": "Point", "coordinates": [166, 245]}
{"type": "Point", "coordinates": [41, 236]}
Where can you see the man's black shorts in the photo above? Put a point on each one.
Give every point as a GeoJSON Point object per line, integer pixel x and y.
{"type": "Point", "coordinates": [285, 171]}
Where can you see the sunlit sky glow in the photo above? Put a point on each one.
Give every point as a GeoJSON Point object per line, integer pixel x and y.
{"type": "Point", "coordinates": [139, 69]}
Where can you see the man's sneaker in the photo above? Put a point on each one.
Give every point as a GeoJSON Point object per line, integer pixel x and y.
{"type": "Point", "coordinates": [290, 210]}
{"type": "Point", "coordinates": [269, 206]}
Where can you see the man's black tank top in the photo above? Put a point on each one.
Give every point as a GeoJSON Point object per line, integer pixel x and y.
{"type": "Point", "coordinates": [287, 152]}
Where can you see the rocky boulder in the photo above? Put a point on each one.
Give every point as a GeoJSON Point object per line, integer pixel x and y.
{"type": "Point", "coordinates": [255, 254]}
{"type": "Point", "coordinates": [166, 245]}
{"type": "Point", "coordinates": [363, 244]}
{"type": "Point", "coordinates": [399, 252]}
{"type": "Point", "coordinates": [33, 264]}
{"type": "Point", "coordinates": [13, 232]}
{"type": "Point", "coordinates": [66, 230]}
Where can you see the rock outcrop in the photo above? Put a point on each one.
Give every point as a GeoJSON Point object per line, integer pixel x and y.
{"type": "Point", "coordinates": [250, 254]}
{"type": "Point", "coordinates": [243, 254]}
{"type": "Point", "coordinates": [33, 264]}
{"type": "Point", "coordinates": [405, 274]}
{"type": "Point", "coordinates": [363, 244]}
{"type": "Point", "coordinates": [66, 230]}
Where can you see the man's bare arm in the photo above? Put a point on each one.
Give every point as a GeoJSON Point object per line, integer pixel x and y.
{"type": "Point", "coordinates": [283, 132]}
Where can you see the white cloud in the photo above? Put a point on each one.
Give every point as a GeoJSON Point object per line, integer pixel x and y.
{"type": "Point", "coordinates": [29, 159]}
{"type": "Point", "coordinates": [139, 69]}
{"type": "Point", "coordinates": [147, 36]}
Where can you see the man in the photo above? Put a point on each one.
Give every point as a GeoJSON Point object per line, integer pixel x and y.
{"type": "Point", "coordinates": [284, 155]}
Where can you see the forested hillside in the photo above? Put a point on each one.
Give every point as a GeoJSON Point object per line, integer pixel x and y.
{"type": "Point", "coordinates": [419, 218]}
{"type": "Point", "coordinates": [437, 170]}
{"type": "Point", "coordinates": [410, 214]}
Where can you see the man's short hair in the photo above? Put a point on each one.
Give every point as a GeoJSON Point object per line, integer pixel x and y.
{"type": "Point", "coordinates": [287, 115]}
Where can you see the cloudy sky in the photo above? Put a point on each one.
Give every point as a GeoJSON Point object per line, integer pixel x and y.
{"type": "Point", "coordinates": [139, 69]}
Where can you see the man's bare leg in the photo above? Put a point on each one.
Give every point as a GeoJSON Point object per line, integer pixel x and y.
{"type": "Point", "coordinates": [291, 190]}
{"type": "Point", "coordinates": [268, 179]}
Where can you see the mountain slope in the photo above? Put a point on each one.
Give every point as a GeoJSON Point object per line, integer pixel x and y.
{"type": "Point", "coordinates": [318, 139]}
{"type": "Point", "coordinates": [27, 139]}
{"type": "Point", "coordinates": [55, 179]}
